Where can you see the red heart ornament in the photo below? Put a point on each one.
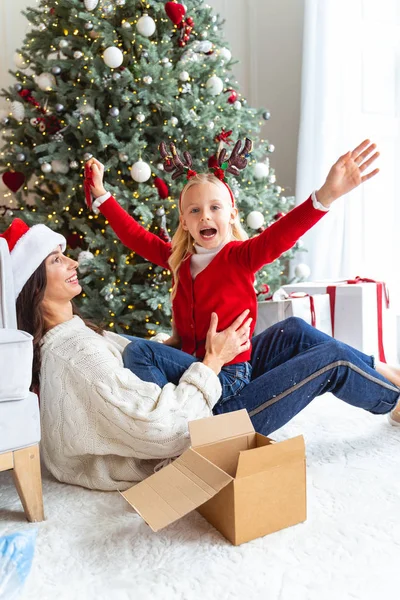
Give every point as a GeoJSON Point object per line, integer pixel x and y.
{"type": "Point", "coordinates": [175, 12]}
{"type": "Point", "coordinates": [13, 180]}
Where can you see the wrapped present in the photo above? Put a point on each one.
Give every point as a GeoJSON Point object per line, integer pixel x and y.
{"type": "Point", "coordinates": [360, 314]}
{"type": "Point", "coordinates": [314, 309]}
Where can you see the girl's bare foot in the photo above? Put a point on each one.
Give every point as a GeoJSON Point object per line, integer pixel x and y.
{"type": "Point", "coordinates": [391, 372]}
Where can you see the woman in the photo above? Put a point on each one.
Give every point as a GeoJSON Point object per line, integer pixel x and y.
{"type": "Point", "coordinates": [104, 428]}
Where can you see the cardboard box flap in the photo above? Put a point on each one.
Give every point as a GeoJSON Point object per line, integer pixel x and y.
{"type": "Point", "coordinates": [220, 427]}
{"type": "Point", "coordinates": [267, 457]}
{"type": "Point", "coordinates": [176, 490]}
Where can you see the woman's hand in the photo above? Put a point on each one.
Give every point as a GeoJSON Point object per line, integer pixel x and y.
{"type": "Point", "coordinates": [347, 173]}
{"type": "Point", "coordinates": [224, 346]}
{"type": "Point", "coordinates": [97, 169]}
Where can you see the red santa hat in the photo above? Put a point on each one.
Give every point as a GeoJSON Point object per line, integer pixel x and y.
{"type": "Point", "coordinates": [29, 246]}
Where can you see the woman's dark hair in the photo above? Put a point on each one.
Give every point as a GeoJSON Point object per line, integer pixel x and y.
{"type": "Point", "coordinates": [30, 316]}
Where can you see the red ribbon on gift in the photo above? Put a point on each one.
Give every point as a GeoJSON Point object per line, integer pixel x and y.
{"type": "Point", "coordinates": [87, 185]}
{"type": "Point", "coordinates": [381, 292]}
{"type": "Point", "coordinates": [312, 305]}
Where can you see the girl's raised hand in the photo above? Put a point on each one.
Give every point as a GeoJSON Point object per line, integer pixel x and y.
{"type": "Point", "coordinates": [97, 170]}
{"type": "Point", "coordinates": [348, 172]}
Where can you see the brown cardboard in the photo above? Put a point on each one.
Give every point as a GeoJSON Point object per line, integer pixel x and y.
{"type": "Point", "coordinates": [243, 483]}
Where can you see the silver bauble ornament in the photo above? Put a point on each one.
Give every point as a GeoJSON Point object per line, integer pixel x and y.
{"type": "Point", "coordinates": [184, 76]}
{"type": "Point", "coordinates": [123, 157]}
{"type": "Point", "coordinates": [59, 107]}
{"type": "Point", "coordinates": [88, 26]}
{"type": "Point", "coordinates": [90, 4]}
{"type": "Point", "coordinates": [266, 115]}
{"type": "Point", "coordinates": [126, 25]}
{"type": "Point", "coordinates": [116, 76]}
{"type": "Point", "coordinates": [114, 111]}
{"type": "Point", "coordinates": [271, 148]}
{"type": "Point", "coordinates": [63, 44]}
{"type": "Point", "coordinates": [46, 167]}
{"type": "Point", "coordinates": [237, 105]}
{"type": "Point", "coordinates": [174, 121]}
{"type": "Point", "coordinates": [20, 157]}
{"type": "Point", "coordinates": [17, 87]}
{"type": "Point", "coordinates": [56, 70]}
{"type": "Point", "coordinates": [140, 118]}
{"type": "Point", "coordinates": [87, 156]}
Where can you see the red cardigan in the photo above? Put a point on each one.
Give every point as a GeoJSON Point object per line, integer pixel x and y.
{"type": "Point", "coordinates": [226, 285]}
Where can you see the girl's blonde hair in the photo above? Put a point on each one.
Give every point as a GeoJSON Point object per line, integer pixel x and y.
{"type": "Point", "coordinates": [182, 241]}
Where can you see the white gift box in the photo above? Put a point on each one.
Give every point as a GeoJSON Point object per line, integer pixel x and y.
{"type": "Point", "coordinates": [314, 309]}
{"type": "Point", "coordinates": [360, 314]}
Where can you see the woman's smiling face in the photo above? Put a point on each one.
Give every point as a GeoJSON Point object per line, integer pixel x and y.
{"type": "Point", "coordinates": [62, 280]}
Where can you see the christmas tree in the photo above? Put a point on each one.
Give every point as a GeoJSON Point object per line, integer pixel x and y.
{"type": "Point", "coordinates": [112, 79]}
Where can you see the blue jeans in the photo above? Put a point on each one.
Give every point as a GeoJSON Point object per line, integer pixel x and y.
{"type": "Point", "coordinates": [164, 365]}
{"type": "Point", "coordinates": [292, 363]}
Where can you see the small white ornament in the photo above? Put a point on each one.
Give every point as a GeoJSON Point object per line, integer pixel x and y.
{"type": "Point", "coordinates": [215, 85]}
{"type": "Point", "coordinates": [146, 26]}
{"type": "Point", "coordinates": [302, 271]}
{"type": "Point", "coordinates": [140, 171]}
{"type": "Point", "coordinates": [184, 76]}
{"type": "Point", "coordinates": [272, 178]}
{"type": "Point", "coordinates": [186, 88]}
{"type": "Point", "coordinates": [42, 27]}
{"type": "Point", "coordinates": [140, 118]}
{"type": "Point", "coordinates": [123, 157]}
{"type": "Point", "coordinates": [225, 54]}
{"type": "Point", "coordinates": [46, 167]}
{"type": "Point", "coordinates": [210, 125]}
{"type": "Point", "coordinates": [90, 4]}
{"type": "Point", "coordinates": [19, 61]}
{"type": "Point", "coordinates": [58, 166]}
{"type": "Point", "coordinates": [148, 79]}
{"type": "Point", "coordinates": [271, 148]}
{"type": "Point", "coordinates": [173, 121]}
{"type": "Point", "coordinates": [63, 44]}
{"type": "Point", "coordinates": [255, 219]}
{"type": "Point", "coordinates": [85, 255]}
{"type": "Point", "coordinates": [204, 46]}
{"type": "Point", "coordinates": [113, 57]}
{"type": "Point", "coordinates": [237, 105]}
{"type": "Point", "coordinates": [126, 25]}
{"type": "Point", "coordinates": [45, 81]}
{"type": "Point", "coordinates": [78, 54]}
{"type": "Point", "coordinates": [160, 167]}
{"type": "Point", "coordinates": [260, 170]}
{"type": "Point", "coordinates": [17, 110]}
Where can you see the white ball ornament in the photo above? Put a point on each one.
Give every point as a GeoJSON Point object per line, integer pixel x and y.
{"type": "Point", "coordinates": [237, 105]}
{"type": "Point", "coordinates": [58, 166]}
{"type": "Point", "coordinates": [123, 157]}
{"type": "Point", "coordinates": [146, 26]}
{"type": "Point", "coordinates": [90, 4]}
{"type": "Point", "coordinates": [45, 81]}
{"type": "Point", "coordinates": [17, 110]}
{"type": "Point", "coordinates": [148, 79]}
{"type": "Point", "coordinates": [214, 85]}
{"type": "Point", "coordinates": [225, 54]}
{"type": "Point", "coordinates": [260, 170]}
{"type": "Point", "coordinates": [140, 171]}
{"type": "Point", "coordinates": [255, 219]}
{"type": "Point", "coordinates": [126, 25]}
{"type": "Point", "coordinates": [302, 271]}
{"type": "Point", "coordinates": [140, 118]}
{"type": "Point", "coordinates": [19, 61]}
{"type": "Point", "coordinates": [113, 57]}
{"type": "Point", "coordinates": [173, 121]}
{"type": "Point", "coordinates": [63, 44]}
{"type": "Point", "coordinates": [184, 76]}
{"type": "Point", "coordinates": [46, 167]}
{"type": "Point", "coordinates": [78, 54]}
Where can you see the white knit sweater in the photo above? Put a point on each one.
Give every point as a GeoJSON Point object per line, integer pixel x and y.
{"type": "Point", "coordinates": [102, 427]}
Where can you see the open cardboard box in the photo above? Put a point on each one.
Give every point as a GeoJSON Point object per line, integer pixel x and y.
{"type": "Point", "coordinates": [243, 483]}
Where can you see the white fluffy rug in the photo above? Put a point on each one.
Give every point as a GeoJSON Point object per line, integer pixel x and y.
{"type": "Point", "coordinates": [93, 546]}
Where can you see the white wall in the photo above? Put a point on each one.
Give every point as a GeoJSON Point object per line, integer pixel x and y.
{"type": "Point", "coordinates": [264, 35]}
{"type": "Point", "coordinates": [267, 36]}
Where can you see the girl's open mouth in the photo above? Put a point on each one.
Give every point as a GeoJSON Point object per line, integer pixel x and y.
{"type": "Point", "coordinates": [208, 234]}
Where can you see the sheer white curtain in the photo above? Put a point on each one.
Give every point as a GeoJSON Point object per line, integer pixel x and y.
{"type": "Point", "coordinates": [350, 91]}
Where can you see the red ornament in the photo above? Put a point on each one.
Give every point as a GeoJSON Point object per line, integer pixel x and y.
{"type": "Point", "coordinates": [162, 188]}
{"type": "Point", "coordinates": [181, 43]}
{"type": "Point", "coordinates": [175, 12]}
{"type": "Point", "coordinates": [224, 136]}
{"type": "Point", "coordinates": [190, 174]}
{"type": "Point", "coordinates": [13, 180]}
{"type": "Point", "coordinates": [232, 97]}
{"type": "Point", "coordinates": [190, 21]}
{"type": "Point", "coordinates": [220, 173]}
{"type": "Point", "coordinates": [264, 288]}
{"type": "Point", "coordinates": [278, 216]}
{"type": "Point", "coordinates": [73, 241]}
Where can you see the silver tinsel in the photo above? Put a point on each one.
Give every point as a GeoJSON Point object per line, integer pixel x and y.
{"type": "Point", "coordinates": [57, 137]}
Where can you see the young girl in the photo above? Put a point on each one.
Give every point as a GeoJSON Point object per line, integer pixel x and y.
{"type": "Point", "coordinates": [212, 263]}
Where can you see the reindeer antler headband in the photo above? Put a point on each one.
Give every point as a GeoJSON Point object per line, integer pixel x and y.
{"type": "Point", "coordinates": [220, 164]}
